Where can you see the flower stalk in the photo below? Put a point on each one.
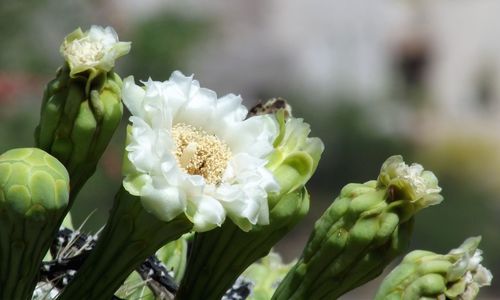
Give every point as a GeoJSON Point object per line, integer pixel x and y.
{"type": "Point", "coordinates": [366, 227]}
{"type": "Point", "coordinates": [209, 274]}
{"type": "Point", "coordinates": [130, 236]}
{"type": "Point", "coordinates": [82, 107]}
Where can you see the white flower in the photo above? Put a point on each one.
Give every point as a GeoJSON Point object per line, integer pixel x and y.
{"type": "Point", "coordinates": [190, 152]}
{"type": "Point", "coordinates": [423, 182]}
{"type": "Point", "coordinates": [97, 48]}
{"type": "Point", "coordinates": [411, 181]}
{"type": "Point", "coordinates": [467, 270]}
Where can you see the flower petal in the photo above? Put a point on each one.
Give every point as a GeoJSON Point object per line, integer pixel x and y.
{"type": "Point", "coordinates": [164, 203]}
{"type": "Point", "coordinates": [206, 213]}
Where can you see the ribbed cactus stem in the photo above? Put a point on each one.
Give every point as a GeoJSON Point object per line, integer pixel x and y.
{"type": "Point", "coordinates": [130, 236]}
{"type": "Point", "coordinates": [219, 256]}
{"type": "Point", "coordinates": [34, 191]}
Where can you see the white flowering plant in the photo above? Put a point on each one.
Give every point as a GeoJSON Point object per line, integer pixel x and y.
{"type": "Point", "coordinates": [209, 187]}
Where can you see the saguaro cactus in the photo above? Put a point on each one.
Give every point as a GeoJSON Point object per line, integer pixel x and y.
{"type": "Point", "coordinates": [34, 192]}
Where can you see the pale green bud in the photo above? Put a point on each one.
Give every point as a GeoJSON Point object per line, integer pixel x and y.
{"type": "Point", "coordinates": [34, 192]}
{"type": "Point", "coordinates": [427, 275]}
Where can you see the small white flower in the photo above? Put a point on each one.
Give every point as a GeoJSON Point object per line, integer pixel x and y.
{"type": "Point", "coordinates": [468, 269]}
{"type": "Point", "coordinates": [190, 152]}
{"type": "Point", "coordinates": [412, 182]}
{"type": "Point", "coordinates": [423, 182]}
{"type": "Point", "coordinates": [97, 48]}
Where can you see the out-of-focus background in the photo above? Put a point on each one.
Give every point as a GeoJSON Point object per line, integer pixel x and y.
{"type": "Point", "coordinates": [373, 78]}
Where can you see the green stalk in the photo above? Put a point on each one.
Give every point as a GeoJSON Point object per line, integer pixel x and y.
{"type": "Point", "coordinates": [130, 236]}
{"type": "Point", "coordinates": [219, 256]}
{"type": "Point", "coordinates": [366, 227]}
{"type": "Point", "coordinates": [34, 192]}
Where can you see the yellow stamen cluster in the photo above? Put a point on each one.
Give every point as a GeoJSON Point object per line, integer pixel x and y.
{"type": "Point", "coordinates": [200, 153]}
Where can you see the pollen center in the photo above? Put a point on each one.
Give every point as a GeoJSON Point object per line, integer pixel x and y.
{"type": "Point", "coordinates": [85, 51]}
{"type": "Point", "coordinates": [200, 153]}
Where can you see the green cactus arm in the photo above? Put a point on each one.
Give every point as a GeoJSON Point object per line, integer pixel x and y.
{"type": "Point", "coordinates": [210, 273]}
{"type": "Point", "coordinates": [34, 193]}
{"type": "Point", "coordinates": [130, 236]}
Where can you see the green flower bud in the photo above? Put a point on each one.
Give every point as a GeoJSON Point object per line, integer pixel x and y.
{"type": "Point", "coordinates": [81, 107]}
{"type": "Point", "coordinates": [218, 257]}
{"type": "Point", "coordinates": [266, 275]}
{"type": "Point", "coordinates": [427, 275]}
{"type": "Point", "coordinates": [366, 227]}
{"type": "Point", "coordinates": [34, 192]}
{"type": "Point", "coordinates": [130, 236]}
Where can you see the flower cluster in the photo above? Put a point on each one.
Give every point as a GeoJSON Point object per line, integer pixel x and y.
{"type": "Point", "coordinates": [208, 189]}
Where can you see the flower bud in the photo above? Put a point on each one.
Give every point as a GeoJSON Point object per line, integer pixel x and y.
{"type": "Point", "coordinates": [424, 274]}
{"type": "Point", "coordinates": [366, 227]}
{"type": "Point", "coordinates": [82, 106]}
{"type": "Point", "coordinates": [34, 192]}
{"type": "Point", "coordinates": [221, 255]}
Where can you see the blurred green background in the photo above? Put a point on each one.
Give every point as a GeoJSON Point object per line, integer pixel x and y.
{"type": "Point", "coordinates": [421, 79]}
